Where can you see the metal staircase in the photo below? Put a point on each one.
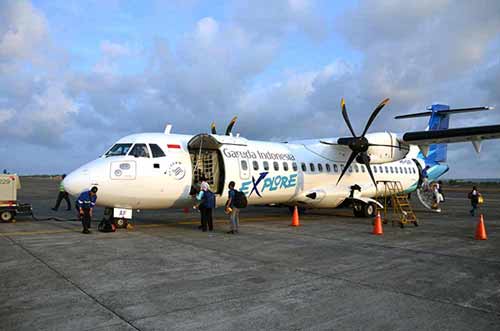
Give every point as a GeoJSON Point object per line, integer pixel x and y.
{"type": "Point", "coordinates": [394, 198]}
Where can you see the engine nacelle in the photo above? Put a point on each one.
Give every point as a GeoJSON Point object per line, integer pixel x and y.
{"type": "Point", "coordinates": [382, 154]}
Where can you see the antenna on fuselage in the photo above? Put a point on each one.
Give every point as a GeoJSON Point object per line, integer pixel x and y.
{"type": "Point", "coordinates": [168, 128]}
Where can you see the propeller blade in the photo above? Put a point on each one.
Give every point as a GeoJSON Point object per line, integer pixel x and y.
{"type": "Point", "coordinates": [348, 163]}
{"type": "Point", "coordinates": [230, 126]}
{"type": "Point", "coordinates": [212, 127]}
{"type": "Point", "coordinates": [371, 174]}
{"type": "Point", "coordinates": [346, 117]}
{"type": "Point", "coordinates": [373, 115]}
{"type": "Point", "coordinates": [327, 142]}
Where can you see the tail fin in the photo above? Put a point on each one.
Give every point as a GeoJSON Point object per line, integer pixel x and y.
{"type": "Point", "coordinates": [439, 120]}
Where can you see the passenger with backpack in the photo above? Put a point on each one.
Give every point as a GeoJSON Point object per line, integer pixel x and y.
{"type": "Point", "coordinates": [206, 207]}
{"type": "Point", "coordinates": [236, 201]}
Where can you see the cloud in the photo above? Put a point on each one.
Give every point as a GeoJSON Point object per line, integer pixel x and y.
{"type": "Point", "coordinates": [23, 29]}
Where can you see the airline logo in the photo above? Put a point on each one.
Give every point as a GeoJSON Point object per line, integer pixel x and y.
{"type": "Point", "coordinates": [267, 184]}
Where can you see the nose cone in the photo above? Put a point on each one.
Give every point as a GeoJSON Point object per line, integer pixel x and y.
{"type": "Point", "coordinates": [77, 181]}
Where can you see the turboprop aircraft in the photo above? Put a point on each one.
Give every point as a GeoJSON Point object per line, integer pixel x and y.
{"type": "Point", "coordinates": [158, 170]}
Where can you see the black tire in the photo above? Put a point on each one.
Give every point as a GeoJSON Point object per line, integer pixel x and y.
{"type": "Point", "coordinates": [6, 216]}
{"type": "Point", "coordinates": [358, 210]}
{"type": "Point", "coordinates": [370, 210]}
{"type": "Point", "coordinates": [121, 223]}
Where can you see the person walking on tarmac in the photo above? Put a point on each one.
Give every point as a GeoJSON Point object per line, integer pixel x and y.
{"type": "Point", "coordinates": [85, 205]}
{"type": "Point", "coordinates": [474, 197]}
{"type": "Point", "coordinates": [232, 210]}
{"type": "Point", "coordinates": [206, 207]}
{"type": "Point", "coordinates": [62, 195]}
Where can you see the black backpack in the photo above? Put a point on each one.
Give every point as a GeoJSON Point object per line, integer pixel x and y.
{"type": "Point", "coordinates": [240, 199]}
{"type": "Point", "coordinates": [106, 226]}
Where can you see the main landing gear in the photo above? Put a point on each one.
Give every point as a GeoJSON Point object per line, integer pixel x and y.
{"type": "Point", "coordinates": [362, 209]}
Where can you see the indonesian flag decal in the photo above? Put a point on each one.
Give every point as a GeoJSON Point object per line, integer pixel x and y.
{"type": "Point", "coordinates": [174, 146]}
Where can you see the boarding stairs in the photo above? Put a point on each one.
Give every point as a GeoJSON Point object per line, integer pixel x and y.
{"type": "Point", "coordinates": [394, 198]}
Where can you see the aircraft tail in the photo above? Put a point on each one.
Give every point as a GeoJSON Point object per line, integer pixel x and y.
{"type": "Point", "coordinates": [439, 120]}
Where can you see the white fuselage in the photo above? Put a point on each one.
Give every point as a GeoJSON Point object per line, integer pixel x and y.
{"type": "Point", "coordinates": [267, 172]}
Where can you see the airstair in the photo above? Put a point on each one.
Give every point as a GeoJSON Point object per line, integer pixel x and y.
{"type": "Point", "coordinates": [393, 197]}
{"type": "Point", "coordinates": [427, 198]}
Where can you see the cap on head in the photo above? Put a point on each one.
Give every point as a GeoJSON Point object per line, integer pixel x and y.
{"type": "Point", "coordinates": [93, 189]}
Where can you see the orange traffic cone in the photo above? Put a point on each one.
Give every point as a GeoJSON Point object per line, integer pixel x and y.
{"type": "Point", "coordinates": [377, 227]}
{"type": "Point", "coordinates": [295, 217]}
{"type": "Point", "coordinates": [481, 229]}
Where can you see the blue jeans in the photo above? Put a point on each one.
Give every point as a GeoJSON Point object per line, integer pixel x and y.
{"type": "Point", "coordinates": [474, 208]}
{"type": "Point", "coordinates": [235, 219]}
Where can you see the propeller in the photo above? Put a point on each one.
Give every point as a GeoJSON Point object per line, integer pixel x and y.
{"type": "Point", "coordinates": [359, 144]}
{"type": "Point", "coordinates": [213, 130]}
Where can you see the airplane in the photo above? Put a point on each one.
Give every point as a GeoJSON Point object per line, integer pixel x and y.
{"type": "Point", "coordinates": [158, 170]}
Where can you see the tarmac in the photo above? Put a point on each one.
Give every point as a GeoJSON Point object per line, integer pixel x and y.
{"type": "Point", "coordinates": [330, 273]}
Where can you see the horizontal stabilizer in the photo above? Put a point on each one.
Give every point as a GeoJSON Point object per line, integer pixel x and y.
{"type": "Point", "coordinates": [446, 136]}
{"type": "Point", "coordinates": [445, 112]}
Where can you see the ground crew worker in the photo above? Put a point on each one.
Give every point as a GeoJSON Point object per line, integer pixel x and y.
{"type": "Point", "coordinates": [85, 204]}
{"type": "Point", "coordinates": [62, 195]}
{"type": "Point", "coordinates": [234, 212]}
{"type": "Point", "coordinates": [474, 199]}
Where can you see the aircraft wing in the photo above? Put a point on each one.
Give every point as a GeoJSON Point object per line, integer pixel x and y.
{"type": "Point", "coordinates": [473, 134]}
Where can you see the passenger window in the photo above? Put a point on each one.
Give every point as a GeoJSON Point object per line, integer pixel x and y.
{"type": "Point", "coordinates": [386, 170]}
{"type": "Point", "coordinates": [335, 167]}
{"type": "Point", "coordinates": [356, 168]}
{"type": "Point", "coordinates": [400, 170]}
{"type": "Point", "coordinates": [139, 150]}
{"type": "Point", "coordinates": [391, 169]}
{"type": "Point", "coordinates": [311, 166]}
{"type": "Point", "coordinates": [255, 165]}
{"type": "Point", "coordinates": [362, 168]}
{"type": "Point", "coordinates": [285, 166]}
{"type": "Point", "coordinates": [156, 150]}
{"type": "Point", "coordinates": [118, 149]}
{"type": "Point", "coordinates": [328, 168]}
{"type": "Point", "coordinates": [342, 167]}
{"type": "Point", "coordinates": [303, 166]}
{"type": "Point", "coordinates": [244, 165]}
{"type": "Point", "coordinates": [405, 170]}
{"type": "Point", "coordinates": [396, 169]}
{"type": "Point", "coordinates": [266, 165]}
{"type": "Point", "coordinates": [350, 168]}
{"type": "Point", "coordinates": [374, 169]}
{"type": "Point", "coordinates": [320, 167]}
{"type": "Point", "coordinates": [294, 166]}
{"type": "Point", "coordinates": [276, 166]}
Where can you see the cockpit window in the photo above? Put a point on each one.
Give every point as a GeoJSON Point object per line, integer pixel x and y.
{"type": "Point", "coordinates": [156, 150]}
{"type": "Point", "coordinates": [139, 150]}
{"type": "Point", "coordinates": [118, 149]}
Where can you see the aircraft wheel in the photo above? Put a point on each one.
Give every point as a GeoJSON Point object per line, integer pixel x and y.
{"type": "Point", "coordinates": [121, 223]}
{"type": "Point", "coordinates": [6, 215]}
{"type": "Point", "coordinates": [358, 210]}
{"type": "Point", "coordinates": [370, 210]}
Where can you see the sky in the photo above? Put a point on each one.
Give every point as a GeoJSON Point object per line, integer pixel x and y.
{"type": "Point", "coordinates": [75, 76]}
